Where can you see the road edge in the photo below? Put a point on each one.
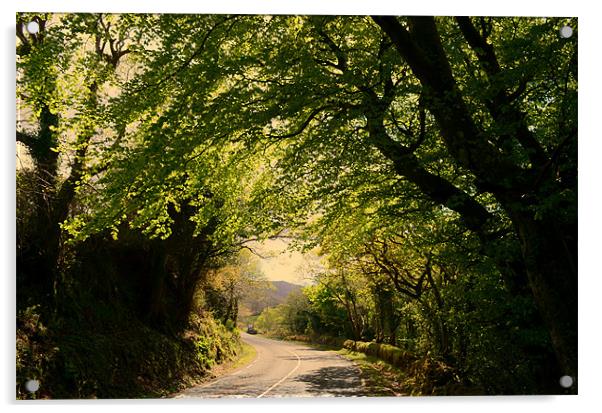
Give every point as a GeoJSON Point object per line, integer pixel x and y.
{"type": "Point", "coordinates": [248, 355]}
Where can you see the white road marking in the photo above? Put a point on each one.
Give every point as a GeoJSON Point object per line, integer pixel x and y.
{"type": "Point", "coordinates": [211, 383]}
{"type": "Point", "coordinates": [285, 377]}
{"type": "Point", "coordinates": [256, 358]}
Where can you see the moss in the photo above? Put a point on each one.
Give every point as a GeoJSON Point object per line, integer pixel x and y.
{"type": "Point", "coordinates": [106, 352]}
{"type": "Point", "coordinates": [386, 352]}
{"type": "Point", "coordinates": [395, 371]}
{"type": "Point", "coordinates": [349, 344]}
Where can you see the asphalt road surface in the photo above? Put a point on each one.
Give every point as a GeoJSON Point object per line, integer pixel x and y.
{"type": "Point", "coordinates": [285, 369]}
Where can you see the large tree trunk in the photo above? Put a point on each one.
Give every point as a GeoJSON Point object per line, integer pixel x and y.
{"type": "Point", "coordinates": [553, 279]}
{"type": "Point", "coordinates": [36, 265]}
{"type": "Point", "coordinates": [549, 258]}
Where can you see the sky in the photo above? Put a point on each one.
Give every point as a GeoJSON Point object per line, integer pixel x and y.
{"type": "Point", "coordinates": [280, 264]}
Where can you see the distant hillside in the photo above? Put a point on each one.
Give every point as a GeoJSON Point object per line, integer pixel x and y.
{"type": "Point", "coordinates": [276, 293]}
{"type": "Point", "coordinates": [283, 289]}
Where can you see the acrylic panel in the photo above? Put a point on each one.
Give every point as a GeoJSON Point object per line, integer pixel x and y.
{"type": "Point", "coordinates": [266, 206]}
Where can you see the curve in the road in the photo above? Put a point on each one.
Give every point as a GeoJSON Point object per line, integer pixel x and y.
{"type": "Point", "coordinates": [285, 369]}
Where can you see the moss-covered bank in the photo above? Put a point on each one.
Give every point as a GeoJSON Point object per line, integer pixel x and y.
{"type": "Point", "coordinates": [103, 351]}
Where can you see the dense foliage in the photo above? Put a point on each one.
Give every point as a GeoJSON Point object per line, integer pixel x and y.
{"type": "Point", "coordinates": [432, 161]}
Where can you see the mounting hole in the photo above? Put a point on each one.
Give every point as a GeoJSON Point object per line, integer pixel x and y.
{"type": "Point", "coordinates": [33, 27]}
{"type": "Point", "coordinates": [566, 381]}
{"type": "Point", "coordinates": [32, 386]}
{"type": "Point", "coordinates": [566, 32]}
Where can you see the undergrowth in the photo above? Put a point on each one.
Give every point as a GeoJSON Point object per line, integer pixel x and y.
{"type": "Point", "coordinates": [104, 351]}
{"type": "Point", "coordinates": [391, 371]}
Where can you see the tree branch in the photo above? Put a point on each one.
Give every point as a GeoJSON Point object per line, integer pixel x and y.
{"type": "Point", "coordinates": [194, 54]}
{"type": "Point", "coordinates": [439, 190]}
{"type": "Point", "coordinates": [26, 139]}
{"type": "Point", "coordinates": [340, 55]}
{"type": "Point", "coordinates": [21, 34]}
{"type": "Point", "coordinates": [303, 125]}
{"type": "Point", "coordinates": [423, 52]}
{"type": "Point", "coordinates": [501, 106]}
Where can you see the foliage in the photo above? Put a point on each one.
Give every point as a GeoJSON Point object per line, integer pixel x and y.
{"type": "Point", "coordinates": [225, 286]}
{"type": "Point", "coordinates": [431, 160]}
{"type": "Point", "coordinates": [129, 358]}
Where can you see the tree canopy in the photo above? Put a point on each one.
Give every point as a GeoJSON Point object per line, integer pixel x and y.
{"type": "Point", "coordinates": [432, 160]}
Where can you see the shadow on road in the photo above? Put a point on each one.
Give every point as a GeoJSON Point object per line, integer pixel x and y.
{"type": "Point", "coordinates": [338, 381]}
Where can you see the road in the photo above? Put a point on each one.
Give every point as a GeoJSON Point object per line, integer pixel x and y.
{"type": "Point", "coordinates": [284, 369]}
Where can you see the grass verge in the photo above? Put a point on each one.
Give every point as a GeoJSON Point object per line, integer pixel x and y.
{"type": "Point", "coordinates": [247, 355]}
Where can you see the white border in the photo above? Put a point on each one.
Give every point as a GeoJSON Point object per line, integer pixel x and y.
{"type": "Point", "coordinates": [589, 199]}
{"type": "Point", "coordinates": [360, 7]}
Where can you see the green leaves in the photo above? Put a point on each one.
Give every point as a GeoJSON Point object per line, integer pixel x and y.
{"type": "Point", "coordinates": [414, 181]}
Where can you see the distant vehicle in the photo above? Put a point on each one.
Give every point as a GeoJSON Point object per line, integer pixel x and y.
{"type": "Point", "coordinates": [251, 330]}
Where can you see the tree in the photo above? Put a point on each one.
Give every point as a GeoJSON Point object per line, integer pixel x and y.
{"type": "Point", "coordinates": [420, 153]}
{"type": "Point", "coordinates": [525, 175]}
{"type": "Point", "coordinates": [230, 283]}
{"type": "Point", "coordinates": [60, 85]}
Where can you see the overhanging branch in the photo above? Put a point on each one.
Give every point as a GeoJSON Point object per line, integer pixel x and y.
{"type": "Point", "coordinates": [26, 139]}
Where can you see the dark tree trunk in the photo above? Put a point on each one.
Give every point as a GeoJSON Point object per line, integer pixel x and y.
{"type": "Point", "coordinates": [549, 259]}
{"type": "Point", "coordinates": [553, 279]}
{"type": "Point", "coordinates": [36, 267]}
